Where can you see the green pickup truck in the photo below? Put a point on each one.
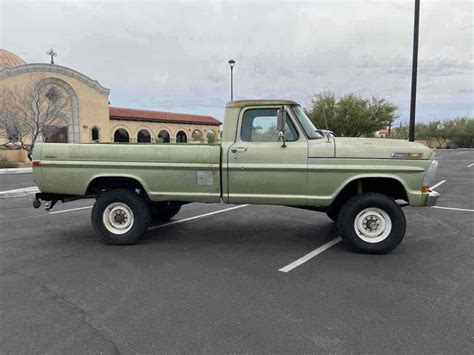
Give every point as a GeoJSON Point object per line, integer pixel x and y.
{"type": "Point", "coordinates": [271, 153]}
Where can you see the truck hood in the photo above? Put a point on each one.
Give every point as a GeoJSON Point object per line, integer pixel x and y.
{"type": "Point", "coordinates": [379, 148]}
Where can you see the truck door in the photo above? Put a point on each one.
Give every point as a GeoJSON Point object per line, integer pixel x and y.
{"type": "Point", "coordinates": [260, 170]}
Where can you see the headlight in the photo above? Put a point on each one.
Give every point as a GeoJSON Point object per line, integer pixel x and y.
{"type": "Point", "coordinates": [430, 175]}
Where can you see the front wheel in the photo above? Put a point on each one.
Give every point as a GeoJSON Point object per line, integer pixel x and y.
{"type": "Point", "coordinates": [371, 223]}
{"type": "Point", "coordinates": [120, 217]}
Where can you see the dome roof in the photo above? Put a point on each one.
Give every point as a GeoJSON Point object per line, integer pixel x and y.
{"type": "Point", "coordinates": [8, 59]}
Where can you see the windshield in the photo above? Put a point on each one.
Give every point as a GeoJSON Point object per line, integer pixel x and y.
{"type": "Point", "coordinates": [306, 123]}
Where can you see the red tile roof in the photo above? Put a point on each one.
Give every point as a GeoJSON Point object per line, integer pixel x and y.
{"type": "Point", "coordinates": [128, 114]}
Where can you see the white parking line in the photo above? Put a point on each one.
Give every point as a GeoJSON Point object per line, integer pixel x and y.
{"type": "Point", "coordinates": [196, 217]}
{"type": "Point", "coordinates": [9, 171]}
{"type": "Point", "coordinates": [453, 208]}
{"type": "Point", "coordinates": [71, 209]}
{"type": "Point", "coordinates": [309, 256]}
{"type": "Point", "coordinates": [470, 165]}
{"type": "Point", "coordinates": [438, 184]}
{"type": "Point", "coordinates": [23, 189]}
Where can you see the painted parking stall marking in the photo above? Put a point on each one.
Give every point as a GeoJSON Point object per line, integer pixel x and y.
{"type": "Point", "coordinates": [309, 256]}
{"type": "Point", "coordinates": [164, 224]}
{"type": "Point", "coordinates": [438, 184]}
{"type": "Point", "coordinates": [196, 217]}
{"type": "Point", "coordinates": [453, 208]}
{"type": "Point", "coordinates": [24, 191]}
{"type": "Point", "coordinates": [71, 209]}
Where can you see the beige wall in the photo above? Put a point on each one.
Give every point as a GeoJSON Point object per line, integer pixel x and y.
{"type": "Point", "coordinates": [14, 155]}
{"type": "Point", "coordinates": [93, 106]}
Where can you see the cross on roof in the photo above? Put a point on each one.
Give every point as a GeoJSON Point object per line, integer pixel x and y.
{"type": "Point", "coordinates": [52, 53]}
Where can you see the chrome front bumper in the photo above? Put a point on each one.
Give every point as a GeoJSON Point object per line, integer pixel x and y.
{"type": "Point", "coordinates": [432, 198]}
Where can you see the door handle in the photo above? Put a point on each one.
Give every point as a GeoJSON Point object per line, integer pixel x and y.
{"type": "Point", "coordinates": [238, 149]}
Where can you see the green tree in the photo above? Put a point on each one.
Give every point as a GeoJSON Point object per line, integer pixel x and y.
{"type": "Point", "coordinates": [351, 115]}
{"type": "Point", "coordinates": [462, 132]}
{"type": "Point", "coordinates": [456, 133]}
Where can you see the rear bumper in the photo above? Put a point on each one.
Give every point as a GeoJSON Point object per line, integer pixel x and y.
{"type": "Point", "coordinates": [432, 198]}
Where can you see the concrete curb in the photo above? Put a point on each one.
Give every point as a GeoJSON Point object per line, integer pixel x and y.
{"type": "Point", "coordinates": [26, 191]}
{"type": "Point", "coordinates": [9, 171]}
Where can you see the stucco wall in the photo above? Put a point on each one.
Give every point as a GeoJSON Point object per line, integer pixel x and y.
{"type": "Point", "coordinates": [93, 106]}
{"type": "Point", "coordinates": [14, 155]}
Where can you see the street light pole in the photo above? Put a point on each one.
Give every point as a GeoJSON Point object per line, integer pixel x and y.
{"type": "Point", "coordinates": [231, 65]}
{"type": "Point", "coordinates": [414, 69]}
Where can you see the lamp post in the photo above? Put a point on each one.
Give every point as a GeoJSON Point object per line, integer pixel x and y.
{"type": "Point", "coordinates": [414, 68]}
{"type": "Point", "coordinates": [52, 53]}
{"type": "Point", "coordinates": [231, 65]}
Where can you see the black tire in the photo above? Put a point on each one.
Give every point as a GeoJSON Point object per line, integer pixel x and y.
{"type": "Point", "coordinates": [135, 204]}
{"type": "Point", "coordinates": [374, 203]}
{"type": "Point", "coordinates": [164, 211]}
{"type": "Point", "coordinates": [332, 213]}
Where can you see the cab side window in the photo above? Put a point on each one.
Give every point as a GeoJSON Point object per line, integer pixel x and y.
{"type": "Point", "coordinates": [260, 125]}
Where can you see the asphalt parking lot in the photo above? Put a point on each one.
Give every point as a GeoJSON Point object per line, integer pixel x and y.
{"type": "Point", "coordinates": [212, 284]}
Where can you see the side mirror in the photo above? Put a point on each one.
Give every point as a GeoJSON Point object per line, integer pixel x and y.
{"type": "Point", "coordinates": [281, 120]}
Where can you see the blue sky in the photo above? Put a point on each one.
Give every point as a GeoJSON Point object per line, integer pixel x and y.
{"type": "Point", "coordinates": [172, 56]}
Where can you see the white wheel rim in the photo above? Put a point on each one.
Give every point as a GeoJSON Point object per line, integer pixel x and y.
{"type": "Point", "coordinates": [118, 218]}
{"type": "Point", "coordinates": [373, 225]}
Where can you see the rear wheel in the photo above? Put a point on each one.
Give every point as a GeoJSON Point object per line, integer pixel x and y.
{"type": "Point", "coordinates": [371, 223]}
{"type": "Point", "coordinates": [120, 217]}
{"type": "Point", "coordinates": [164, 211]}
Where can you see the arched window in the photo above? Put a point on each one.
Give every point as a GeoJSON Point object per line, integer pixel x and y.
{"type": "Point", "coordinates": [143, 136]}
{"type": "Point", "coordinates": [95, 134]}
{"type": "Point", "coordinates": [197, 136]}
{"type": "Point", "coordinates": [163, 136]}
{"type": "Point", "coordinates": [181, 137]}
{"type": "Point", "coordinates": [211, 137]}
{"type": "Point", "coordinates": [121, 136]}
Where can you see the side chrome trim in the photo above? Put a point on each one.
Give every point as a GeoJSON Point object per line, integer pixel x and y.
{"type": "Point", "coordinates": [266, 167]}
{"type": "Point", "coordinates": [376, 168]}
{"type": "Point", "coordinates": [127, 165]}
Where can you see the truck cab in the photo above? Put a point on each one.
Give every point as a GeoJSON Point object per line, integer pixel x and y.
{"type": "Point", "coordinates": [259, 167]}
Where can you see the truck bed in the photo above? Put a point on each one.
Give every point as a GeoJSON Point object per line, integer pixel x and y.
{"type": "Point", "coordinates": [187, 172]}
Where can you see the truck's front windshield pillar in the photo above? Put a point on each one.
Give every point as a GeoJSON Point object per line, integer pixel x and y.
{"type": "Point", "coordinates": [306, 124]}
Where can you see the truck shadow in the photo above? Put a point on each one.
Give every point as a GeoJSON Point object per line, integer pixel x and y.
{"type": "Point", "coordinates": [249, 231]}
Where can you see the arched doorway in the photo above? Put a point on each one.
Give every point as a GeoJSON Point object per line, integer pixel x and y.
{"type": "Point", "coordinates": [121, 136]}
{"type": "Point", "coordinates": [181, 137]}
{"type": "Point", "coordinates": [164, 136]}
{"type": "Point", "coordinates": [143, 136]}
{"type": "Point", "coordinates": [62, 98]}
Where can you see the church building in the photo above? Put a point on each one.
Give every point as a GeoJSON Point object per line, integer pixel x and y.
{"type": "Point", "coordinates": [90, 119]}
